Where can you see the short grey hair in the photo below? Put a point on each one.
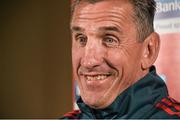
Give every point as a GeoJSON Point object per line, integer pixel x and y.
{"type": "Point", "coordinates": [144, 11]}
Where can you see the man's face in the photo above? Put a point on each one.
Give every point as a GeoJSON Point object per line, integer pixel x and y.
{"type": "Point", "coordinates": [106, 54]}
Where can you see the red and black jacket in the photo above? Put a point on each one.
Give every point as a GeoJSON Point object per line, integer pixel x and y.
{"type": "Point", "coordinates": [146, 99]}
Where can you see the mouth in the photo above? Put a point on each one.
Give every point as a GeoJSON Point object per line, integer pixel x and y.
{"type": "Point", "coordinates": [98, 77]}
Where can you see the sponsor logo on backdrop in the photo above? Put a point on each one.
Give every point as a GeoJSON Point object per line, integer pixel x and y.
{"type": "Point", "coordinates": [167, 18]}
{"type": "Point", "coordinates": [167, 9]}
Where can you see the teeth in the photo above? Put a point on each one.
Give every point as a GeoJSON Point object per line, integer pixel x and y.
{"type": "Point", "coordinates": [98, 77]}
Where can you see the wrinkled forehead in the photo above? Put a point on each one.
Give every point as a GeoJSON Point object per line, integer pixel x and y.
{"type": "Point", "coordinates": [104, 6]}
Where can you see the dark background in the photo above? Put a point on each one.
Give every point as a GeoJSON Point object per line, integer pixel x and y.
{"type": "Point", "coordinates": [35, 58]}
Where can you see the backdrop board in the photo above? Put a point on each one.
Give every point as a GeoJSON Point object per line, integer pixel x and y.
{"type": "Point", "coordinates": [167, 24]}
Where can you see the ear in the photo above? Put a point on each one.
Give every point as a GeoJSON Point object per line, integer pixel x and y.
{"type": "Point", "coordinates": [151, 47]}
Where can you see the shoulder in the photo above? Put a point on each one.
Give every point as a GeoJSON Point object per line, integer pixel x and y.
{"type": "Point", "coordinates": [168, 108]}
{"type": "Point", "coordinates": [72, 115]}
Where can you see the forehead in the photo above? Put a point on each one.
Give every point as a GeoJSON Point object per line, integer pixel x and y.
{"type": "Point", "coordinates": [107, 10]}
{"type": "Point", "coordinates": [104, 5]}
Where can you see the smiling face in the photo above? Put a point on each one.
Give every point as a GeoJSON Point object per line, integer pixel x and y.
{"type": "Point", "coordinates": [106, 54]}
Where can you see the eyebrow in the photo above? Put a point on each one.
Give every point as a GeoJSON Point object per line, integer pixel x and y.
{"type": "Point", "coordinates": [105, 28]}
{"type": "Point", "coordinates": [77, 29]}
{"type": "Point", "coordinates": [110, 28]}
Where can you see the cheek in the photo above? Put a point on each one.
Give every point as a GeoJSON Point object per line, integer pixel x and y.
{"type": "Point", "coordinates": [116, 58]}
{"type": "Point", "coordinates": [76, 57]}
{"type": "Point", "coordinates": [122, 61]}
{"type": "Point", "coordinates": [124, 56]}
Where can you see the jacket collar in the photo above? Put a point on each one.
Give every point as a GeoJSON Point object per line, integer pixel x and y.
{"type": "Point", "coordinates": [140, 96]}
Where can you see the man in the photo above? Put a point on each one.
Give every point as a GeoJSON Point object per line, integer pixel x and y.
{"type": "Point", "coordinates": [114, 47]}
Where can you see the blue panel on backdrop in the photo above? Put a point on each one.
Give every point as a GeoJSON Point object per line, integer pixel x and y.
{"type": "Point", "coordinates": [167, 9]}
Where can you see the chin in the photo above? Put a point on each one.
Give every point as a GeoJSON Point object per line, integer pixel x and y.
{"type": "Point", "coordinates": [93, 101]}
{"type": "Point", "coordinates": [98, 101]}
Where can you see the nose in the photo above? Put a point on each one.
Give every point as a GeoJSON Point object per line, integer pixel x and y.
{"type": "Point", "coordinates": [93, 55]}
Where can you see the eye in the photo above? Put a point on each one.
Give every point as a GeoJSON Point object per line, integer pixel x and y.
{"type": "Point", "coordinates": [110, 41]}
{"type": "Point", "coordinates": [81, 39]}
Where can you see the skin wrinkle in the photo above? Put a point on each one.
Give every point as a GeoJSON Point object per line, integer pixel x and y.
{"type": "Point", "coordinates": [112, 14]}
{"type": "Point", "coordinates": [116, 17]}
{"type": "Point", "coordinates": [95, 58]}
{"type": "Point", "coordinates": [114, 22]}
{"type": "Point", "coordinates": [143, 15]}
{"type": "Point", "coordinates": [111, 65]}
{"type": "Point", "coordinates": [113, 17]}
{"type": "Point", "coordinates": [119, 16]}
{"type": "Point", "coordinates": [78, 29]}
